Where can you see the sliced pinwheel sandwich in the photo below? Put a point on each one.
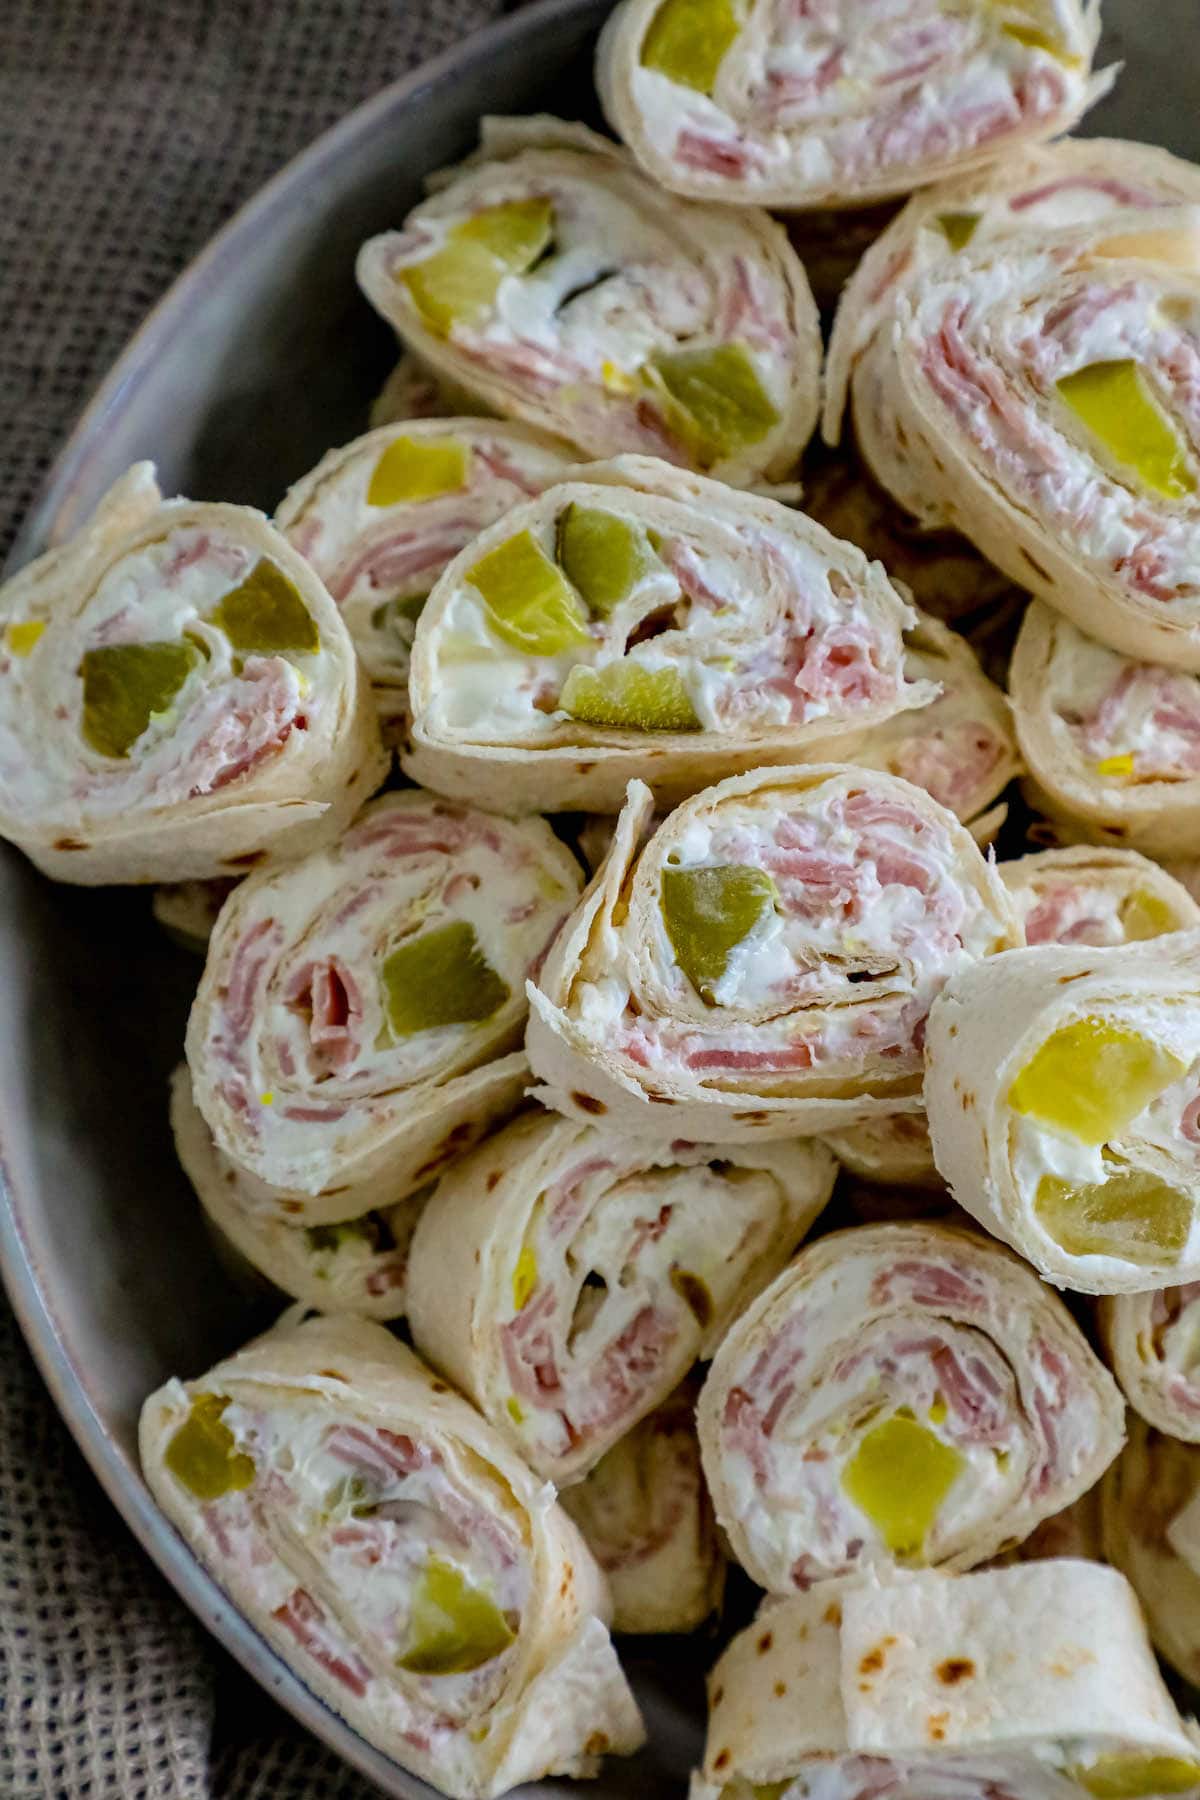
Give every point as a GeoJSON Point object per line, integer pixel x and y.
{"type": "Point", "coordinates": [551, 279]}
{"type": "Point", "coordinates": [393, 1550]}
{"type": "Point", "coordinates": [566, 1276]}
{"type": "Point", "coordinates": [1099, 897]}
{"type": "Point", "coordinates": [178, 697]}
{"type": "Point", "coordinates": [639, 621]}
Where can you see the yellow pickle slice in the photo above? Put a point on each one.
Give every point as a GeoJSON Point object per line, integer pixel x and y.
{"type": "Point", "coordinates": [1115, 404]}
{"type": "Point", "coordinates": [1133, 1216]}
{"type": "Point", "coordinates": [899, 1477]}
{"type": "Point", "coordinates": [723, 403]}
{"type": "Point", "coordinates": [602, 555]}
{"type": "Point", "coordinates": [1092, 1078]}
{"type": "Point", "coordinates": [440, 978]}
{"type": "Point", "coordinates": [626, 694]}
{"type": "Point", "coordinates": [453, 1626]}
{"type": "Point", "coordinates": [688, 39]}
{"type": "Point", "coordinates": [1130, 1775]}
{"type": "Point", "coordinates": [530, 603]}
{"type": "Point", "coordinates": [265, 615]}
{"type": "Point", "coordinates": [410, 470]}
{"type": "Point", "coordinates": [458, 284]}
{"type": "Point", "coordinates": [201, 1452]}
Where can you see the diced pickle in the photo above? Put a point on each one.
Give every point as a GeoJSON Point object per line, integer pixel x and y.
{"type": "Point", "coordinates": [525, 1274]}
{"type": "Point", "coordinates": [1144, 915]}
{"type": "Point", "coordinates": [1132, 1216]}
{"type": "Point", "coordinates": [899, 1476]}
{"type": "Point", "coordinates": [530, 603]}
{"type": "Point", "coordinates": [1092, 1078]}
{"type": "Point", "coordinates": [370, 1232]}
{"type": "Point", "coordinates": [458, 284]}
{"type": "Point", "coordinates": [440, 978]}
{"type": "Point", "coordinates": [1128, 1775]}
{"type": "Point", "coordinates": [125, 685]}
{"type": "Point", "coordinates": [708, 912]}
{"type": "Point", "coordinates": [958, 228]}
{"type": "Point", "coordinates": [724, 404]}
{"type": "Point", "coordinates": [201, 1453]}
{"type": "Point", "coordinates": [603, 555]}
{"type": "Point", "coordinates": [265, 615]}
{"type": "Point", "coordinates": [453, 1627]}
{"type": "Point", "coordinates": [687, 41]}
{"type": "Point", "coordinates": [625, 694]}
{"type": "Point", "coordinates": [21, 637]}
{"type": "Point", "coordinates": [1113, 401]}
{"type": "Point", "coordinates": [411, 470]}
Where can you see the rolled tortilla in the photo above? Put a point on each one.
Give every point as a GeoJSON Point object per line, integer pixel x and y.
{"type": "Point", "coordinates": [392, 1549]}
{"type": "Point", "coordinates": [359, 1018]}
{"type": "Point", "coordinates": [842, 103]}
{"type": "Point", "coordinates": [645, 1515]}
{"type": "Point", "coordinates": [178, 696]}
{"type": "Point", "coordinates": [414, 391]}
{"type": "Point", "coordinates": [1097, 897]}
{"type": "Point", "coordinates": [1063, 1094]}
{"type": "Point", "coordinates": [901, 1396]}
{"type": "Point", "coordinates": [946, 577]}
{"type": "Point", "coordinates": [381, 518]}
{"type": "Point", "coordinates": [893, 1150]}
{"type": "Point", "coordinates": [1112, 743]}
{"type": "Point", "coordinates": [1027, 1683]}
{"type": "Point", "coordinates": [1041, 190]}
{"type": "Point", "coordinates": [357, 1265]}
{"type": "Point", "coordinates": [1036, 396]}
{"type": "Point", "coordinates": [960, 747]}
{"type": "Point", "coordinates": [644, 621]}
{"type": "Point", "coordinates": [1153, 1345]}
{"type": "Point", "coordinates": [557, 283]}
{"type": "Point", "coordinates": [763, 964]}
{"type": "Point", "coordinates": [566, 1277]}
{"type": "Point", "coordinates": [1149, 1508]}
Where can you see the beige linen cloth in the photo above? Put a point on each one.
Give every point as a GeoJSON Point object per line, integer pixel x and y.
{"type": "Point", "coordinates": [129, 131]}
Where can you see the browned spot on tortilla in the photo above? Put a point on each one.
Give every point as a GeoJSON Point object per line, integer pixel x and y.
{"type": "Point", "coordinates": [954, 1670]}
{"type": "Point", "coordinates": [244, 862]}
{"type": "Point", "coordinates": [584, 768]}
{"type": "Point", "coordinates": [750, 1118]}
{"type": "Point", "coordinates": [660, 1099]}
{"type": "Point", "coordinates": [722, 1759]}
{"type": "Point", "coordinates": [494, 1180]}
{"type": "Point", "coordinates": [597, 1744]}
{"type": "Point", "coordinates": [333, 1374]}
{"type": "Point", "coordinates": [718, 1694]}
{"type": "Point", "coordinates": [438, 1387]}
{"type": "Point", "coordinates": [588, 1103]}
{"type": "Point", "coordinates": [765, 1642]}
{"type": "Point", "coordinates": [1035, 565]}
{"type": "Point", "coordinates": [695, 1296]}
{"type": "Point", "coordinates": [70, 843]}
{"type": "Point", "coordinates": [832, 1614]}
{"type": "Point", "coordinates": [936, 1726]}
{"type": "Point", "coordinates": [874, 1659]}
{"type": "Point", "coordinates": [780, 1689]}
{"type": "Point", "coordinates": [953, 1031]}
{"type": "Point", "coordinates": [1065, 980]}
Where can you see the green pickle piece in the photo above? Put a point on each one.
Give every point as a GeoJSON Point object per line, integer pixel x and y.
{"type": "Point", "coordinates": [899, 1476]}
{"type": "Point", "coordinates": [453, 1627]}
{"type": "Point", "coordinates": [708, 912]}
{"type": "Point", "coordinates": [126, 685]}
{"type": "Point", "coordinates": [1092, 1078]}
{"type": "Point", "coordinates": [370, 1231]}
{"type": "Point", "coordinates": [201, 1453]}
{"type": "Point", "coordinates": [419, 470]}
{"type": "Point", "coordinates": [458, 284]}
{"type": "Point", "coordinates": [603, 555]}
{"type": "Point", "coordinates": [394, 613]}
{"type": "Point", "coordinates": [626, 695]}
{"type": "Point", "coordinates": [1144, 915]}
{"type": "Point", "coordinates": [724, 404]}
{"type": "Point", "coordinates": [529, 601]}
{"type": "Point", "coordinates": [440, 978]}
{"type": "Point", "coordinates": [1131, 1775]}
{"type": "Point", "coordinates": [687, 41]}
{"type": "Point", "coordinates": [1113, 401]}
{"type": "Point", "coordinates": [1133, 1216]}
{"type": "Point", "coordinates": [958, 228]}
{"type": "Point", "coordinates": [265, 615]}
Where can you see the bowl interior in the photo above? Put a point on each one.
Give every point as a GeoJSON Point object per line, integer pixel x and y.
{"type": "Point", "coordinates": [259, 360]}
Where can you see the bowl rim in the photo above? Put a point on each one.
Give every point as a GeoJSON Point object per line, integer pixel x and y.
{"type": "Point", "coordinates": [46, 522]}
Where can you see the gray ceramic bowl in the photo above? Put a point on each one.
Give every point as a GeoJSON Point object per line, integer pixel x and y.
{"type": "Point", "coordinates": [259, 359]}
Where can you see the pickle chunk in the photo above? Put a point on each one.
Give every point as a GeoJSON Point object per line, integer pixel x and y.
{"type": "Point", "coordinates": [1133, 1216]}
{"type": "Point", "coordinates": [688, 39]}
{"type": "Point", "coordinates": [1091, 1079]}
{"type": "Point", "coordinates": [1144, 916]}
{"type": "Point", "coordinates": [530, 603]}
{"type": "Point", "coordinates": [264, 615]}
{"type": "Point", "coordinates": [723, 403]}
{"type": "Point", "coordinates": [458, 284]}
{"type": "Point", "coordinates": [453, 1627]}
{"type": "Point", "coordinates": [409, 470]}
{"type": "Point", "coordinates": [602, 555]}
{"type": "Point", "coordinates": [440, 978]}
{"type": "Point", "coordinates": [625, 694]}
{"type": "Point", "coordinates": [1113, 401]}
{"type": "Point", "coordinates": [708, 912]}
{"type": "Point", "coordinates": [1129, 1776]}
{"type": "Point", "coordinates": [125, 685]}
{"type": "Point", "coordinates": [958, 228]}
{"type": "Point", "coordinates": [899, 1476]}
{"type": "Point", "coordinates": [201, 1452]}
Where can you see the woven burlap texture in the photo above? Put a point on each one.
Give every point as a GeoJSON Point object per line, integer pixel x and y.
{"type": "Point", "coordinates": [129, 130]}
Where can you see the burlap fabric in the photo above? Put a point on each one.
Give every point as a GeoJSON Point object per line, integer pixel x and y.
{"type": "Point", "coordinates": [129, 130]}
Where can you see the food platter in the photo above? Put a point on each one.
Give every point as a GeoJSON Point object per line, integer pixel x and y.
{"type": "Point", "coordinates": [260, 358]}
